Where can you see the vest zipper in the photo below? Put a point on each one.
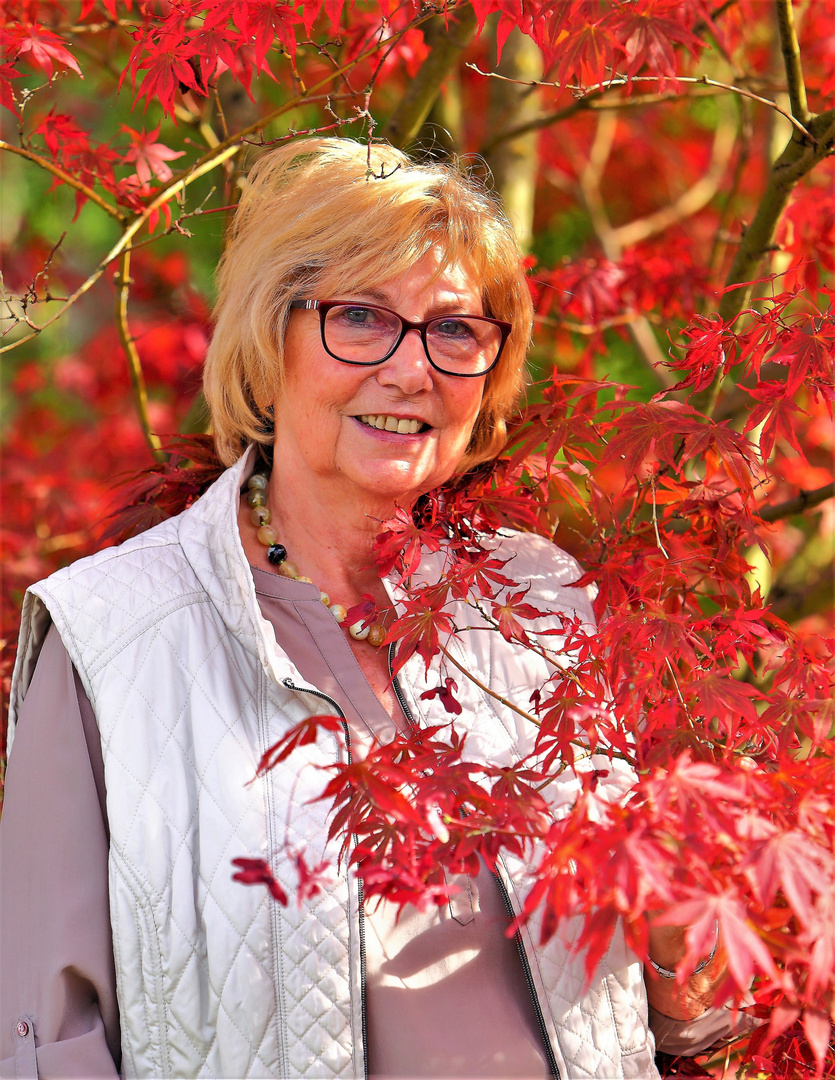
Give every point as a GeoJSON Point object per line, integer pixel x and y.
{"type": "Point", "coordinates": [360, 911]}
{"type": "Point", "coordinates": [526, 967]}
{"type": "Point", "coordinates": [398, 692]}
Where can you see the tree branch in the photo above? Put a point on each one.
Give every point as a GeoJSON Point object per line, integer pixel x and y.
{"type": "Point", "coordinates": [210, 160]}
{"type": "Point", "coordinates": [486, 689]}
{"type": "Point", "coordinates": [64, 177]}
{"type": "Point", "coordinates": [447, 38]}
{"type": "Point", "coordinates": [137, 377]}
{"type": "Point", "coordinates": [806, 500]}
{"type": "Point", "coordinates": [791, 59]}
{"type": "Point", "coordinates": [702, 80]}
{"type": "Point", "coordinates": [690, 201]}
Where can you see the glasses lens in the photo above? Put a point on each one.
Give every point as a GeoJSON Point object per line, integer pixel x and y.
{"type": "Point", "coordinates": [360, 334]}
{"type": "Point", "coordinates": [463, 344]}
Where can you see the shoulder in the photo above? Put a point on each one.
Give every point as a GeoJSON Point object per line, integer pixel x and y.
{"type": "Point", "coordinates": [108, 599]}
{"type": "Point", "coordinates": [139, 565]}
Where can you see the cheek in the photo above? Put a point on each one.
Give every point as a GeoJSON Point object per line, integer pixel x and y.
{"type": "Point", "coordinates": [466, 410]}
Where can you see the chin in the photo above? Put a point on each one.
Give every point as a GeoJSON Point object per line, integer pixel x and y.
{"type": "Point", "coordinates": [399, 489]}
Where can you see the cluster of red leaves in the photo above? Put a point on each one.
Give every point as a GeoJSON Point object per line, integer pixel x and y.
{"type": "Point", "coordinates": [592, 292]}
{"type": "Point", "coordinates": [591, 43]}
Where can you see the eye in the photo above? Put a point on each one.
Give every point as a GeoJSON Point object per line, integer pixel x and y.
{"type": "Point", "coordinates": [357, 315]}
{"type": "Point", "coordinates": [452, 328]}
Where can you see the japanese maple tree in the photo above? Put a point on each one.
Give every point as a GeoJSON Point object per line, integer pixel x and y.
{"type": "Point", "coordinates": [668, 167]}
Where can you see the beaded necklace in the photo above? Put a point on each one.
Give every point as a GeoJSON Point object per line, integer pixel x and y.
{"type": "Point", "coordinates": [261, 518]}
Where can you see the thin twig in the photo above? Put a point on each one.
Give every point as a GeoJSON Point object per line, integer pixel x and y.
{"type": "Point", "coordinates": [618, 81]}
{"type": "Point", "coordinates": [592, 103]}
{"type": "Point", "coordinates": [661, 547]}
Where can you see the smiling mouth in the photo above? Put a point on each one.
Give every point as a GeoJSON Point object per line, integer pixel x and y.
{"type": "Point", "coordinates": [392, 423]}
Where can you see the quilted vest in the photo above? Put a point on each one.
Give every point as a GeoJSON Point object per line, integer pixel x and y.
{"type": "Point", "coordinates": [190, 687]}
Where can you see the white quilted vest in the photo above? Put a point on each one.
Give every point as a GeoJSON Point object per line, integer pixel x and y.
{"type": "Point", "coordinates": [189, 688]}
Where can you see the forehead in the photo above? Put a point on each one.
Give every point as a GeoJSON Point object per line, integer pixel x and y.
{"type": "Point", "coordinates": [429, 280]}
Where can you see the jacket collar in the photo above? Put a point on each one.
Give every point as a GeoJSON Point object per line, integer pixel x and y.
{"type": "Point", "coordinates": [208, 533]}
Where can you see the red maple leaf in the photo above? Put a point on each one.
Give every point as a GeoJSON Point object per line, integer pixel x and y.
{"type": "Point", "coordinates": [150, 156]}
{"type": "Point", "coordinates": [446, 693]}
{"type": "Point", "coordinates": [41, 47]}
{"type": "Point", "coordinates": [651, 36]}
{"type": "Point", "coordinates": [8, 71]}
{"type": "Point", "coordinates": [302, 734]}
{"type": "Point", "coordinates": [258, 872]}
{"type": "Point", "coordinates": [312, 879]}
{"type": "Point", "coordinates": [776, 412]}
{"type": "Point", "coordinates": [745, 949]}
{"type": "Point", "coordinates": [508, 612]}
{"type": "Point", "coordinates": [401, 542]}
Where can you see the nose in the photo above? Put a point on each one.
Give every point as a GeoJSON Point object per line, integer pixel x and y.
{"type": "Point", "coordinates": [408, 368]}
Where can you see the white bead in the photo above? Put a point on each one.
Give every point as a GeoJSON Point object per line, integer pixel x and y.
{"type": "Point", "coordinates": [339, 611]}
{"type": "Point", "coordinates": [326, 600]}
{"type": "Point", "coordinates": [359, 632]}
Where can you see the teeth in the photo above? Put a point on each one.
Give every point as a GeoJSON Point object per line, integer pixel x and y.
{"type": "Point", "coordinates": [391, 423]}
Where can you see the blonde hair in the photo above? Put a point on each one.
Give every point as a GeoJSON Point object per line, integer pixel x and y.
{"type": "Point", "coordinates": [327, 214]}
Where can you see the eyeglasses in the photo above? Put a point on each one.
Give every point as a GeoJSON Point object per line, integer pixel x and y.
{"type": "Point", "coordinates": [365, 334]}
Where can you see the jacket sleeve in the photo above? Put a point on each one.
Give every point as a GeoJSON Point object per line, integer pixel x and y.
{"type": "Point", "coordinates": [58, 1010]}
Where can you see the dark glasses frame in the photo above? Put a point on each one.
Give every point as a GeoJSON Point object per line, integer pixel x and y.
{"type": "Point", "coordinates": [324, 306]}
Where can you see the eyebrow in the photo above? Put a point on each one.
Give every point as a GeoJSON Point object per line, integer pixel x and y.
{"type": "Point", "coordinates": [444, 307]}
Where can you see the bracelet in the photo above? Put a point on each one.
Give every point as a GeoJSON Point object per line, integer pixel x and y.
{"type": "Point", "coordinates": [665, 974]}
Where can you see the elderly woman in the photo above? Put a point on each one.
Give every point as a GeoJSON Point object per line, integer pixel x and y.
{"type": "Point", "coordinates": [371, 333]}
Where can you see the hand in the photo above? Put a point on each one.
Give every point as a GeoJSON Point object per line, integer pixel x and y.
{"type": "Point", "coordinates": [695, 996]}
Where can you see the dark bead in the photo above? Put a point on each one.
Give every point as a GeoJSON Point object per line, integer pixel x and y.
{"type": "Point", "coordinates": [276, 553]}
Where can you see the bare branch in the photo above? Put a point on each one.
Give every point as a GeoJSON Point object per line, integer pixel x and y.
{"type": "Point", "coordinates": [791, 59]}
{"type": "Point", "coordinates": [593, 103]}
{"type": "Point", "coordinates": [805, 500]}
{"type": "Point", "coordinates": [137, 378]}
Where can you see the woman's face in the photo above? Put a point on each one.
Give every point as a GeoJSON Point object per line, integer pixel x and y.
{"type": "Point", "coordinates": [321, 416]}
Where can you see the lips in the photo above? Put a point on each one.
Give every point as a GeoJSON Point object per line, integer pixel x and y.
{"type": "Point", "coordinates": [400, 425]}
